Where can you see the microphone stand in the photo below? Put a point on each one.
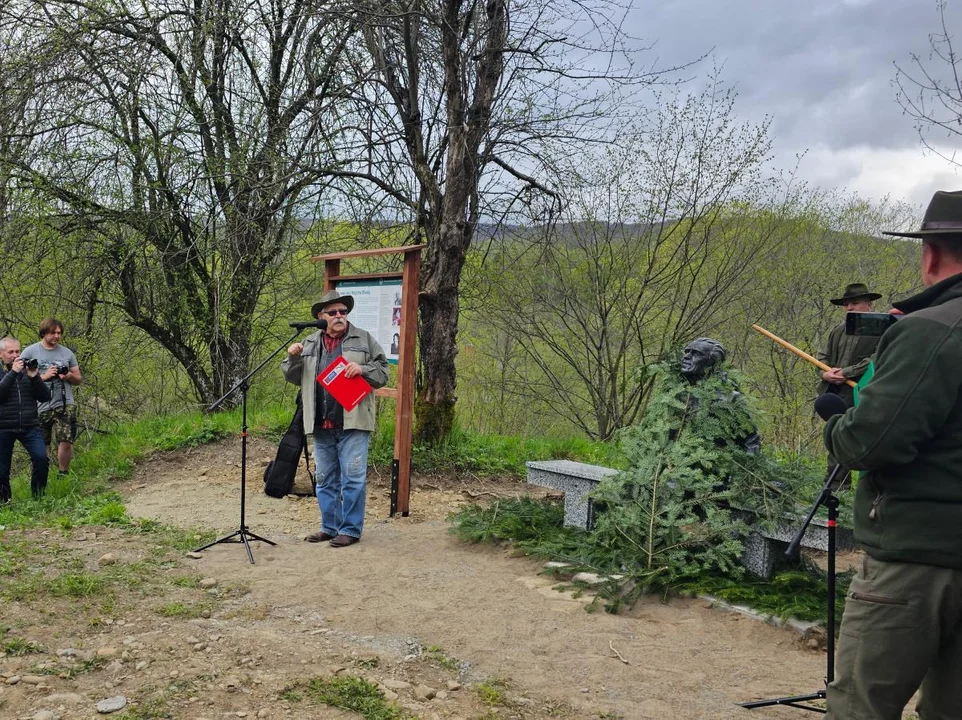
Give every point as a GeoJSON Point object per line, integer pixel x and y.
{"type": "Point", "coordinates": [242, 534]}
{"type": "Point", "coordinates": [830, 501]}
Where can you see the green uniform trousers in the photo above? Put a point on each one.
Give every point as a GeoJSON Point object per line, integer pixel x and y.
{"type": "Point", "coordinates": [902, 629]}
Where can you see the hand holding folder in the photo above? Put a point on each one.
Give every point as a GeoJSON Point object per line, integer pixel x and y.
{"type": "Point", "coordinates": [347, 391]}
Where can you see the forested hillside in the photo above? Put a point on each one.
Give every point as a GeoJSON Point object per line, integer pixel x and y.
{"type": "Point", "coordinates": [167, 170]}
{"type": "Point", "coordinates": [559, 322]}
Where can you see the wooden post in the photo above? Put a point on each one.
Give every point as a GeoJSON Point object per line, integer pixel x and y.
{"type": "Point", "coordinates": [404, 410]}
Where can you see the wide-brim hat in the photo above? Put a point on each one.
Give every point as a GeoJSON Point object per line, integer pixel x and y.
{"type": "Point", "coordinates": [942, 217]}
{"type": "Point", "coordinates": [855, 291]}
{"type": "Point", "coordinates": [329, 298]}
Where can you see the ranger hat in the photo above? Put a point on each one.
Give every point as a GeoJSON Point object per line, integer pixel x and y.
{"type": "Point", "coordinates": [942, 217]}
{"type": "Point", "coordinates": [329, 298]}
{"type": "Point", "coordinates": [855, 291]}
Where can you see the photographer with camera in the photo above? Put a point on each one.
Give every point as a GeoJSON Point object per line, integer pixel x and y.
{"type": "Point", "coordinates": [21, 388]}
{"type": "Point", "coordinates": [58, 417]}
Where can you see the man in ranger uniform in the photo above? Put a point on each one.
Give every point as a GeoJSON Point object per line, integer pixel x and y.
{"type": "Point", "coordinates": [902, 627]}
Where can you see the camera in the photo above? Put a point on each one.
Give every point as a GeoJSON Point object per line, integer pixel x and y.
{"type": "Point", "coordinates": [869, 323]}
{"type": "Point", "coordinates": [31, 364]}
{"type": "Point", "coordinates": [62, 368]}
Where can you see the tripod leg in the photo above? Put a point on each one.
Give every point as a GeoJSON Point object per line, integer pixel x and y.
{"type": "Point", "coordinates": [830, 502]}
{"type": "Point", "coordinates": [252, 536]}
{"type": "Point", "coordinates": [247, 546]}
{"type": "Point", "coordinates": [226, 538]}
{"type": "Point", "coordinates": [793, 701]}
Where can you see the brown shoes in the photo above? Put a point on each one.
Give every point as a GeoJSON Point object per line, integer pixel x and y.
{"type": "Point", "coordinates": [343, 541]}
{"type": "Point", "coordinates": [319, 536]}
{"type": "Point", "coordinates": [336, 541]}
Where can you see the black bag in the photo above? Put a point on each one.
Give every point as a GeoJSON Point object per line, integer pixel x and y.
{"type": "Point", "coordinates": [280, 472]}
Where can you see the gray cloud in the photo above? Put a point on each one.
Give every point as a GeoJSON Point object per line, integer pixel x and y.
{"type": "Point", "coordinates": [823, 69]}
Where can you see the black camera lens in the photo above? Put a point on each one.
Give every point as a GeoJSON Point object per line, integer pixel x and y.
{"type": "Point", "coordinates": [31, 363]}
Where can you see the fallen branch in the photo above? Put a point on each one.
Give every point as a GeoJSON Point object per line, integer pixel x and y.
{"type": "Point", "coordinates": [473, 495]}
{"type": "Point", "coordinates": [618, 654]}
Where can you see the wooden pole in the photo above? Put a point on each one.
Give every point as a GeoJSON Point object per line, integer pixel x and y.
{"type": "Point", "coordinates": [801, 353]}
{"type": "Point", "coordinates": [404, 408]}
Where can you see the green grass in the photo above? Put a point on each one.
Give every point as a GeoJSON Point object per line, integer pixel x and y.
{"type": "Point", "coordinates": [187, 581]}
{"type": "Point", "coordinates": [178, 610]}
{"type": "Point", "coordinates": [149, 709]}
{"type": "Point", "coordinates": [491, 692]}
{"type": "Point", "coordinates": [79, 668]}
{"type": "Point", "coordinates": [492, 454]}
{"type": "Point", "coordinates": [442, 659]}
{"type": "Point", "coordinates": [19, 646]}
{"type": "Point", "coordinates": [346, 693]}
{"type": "Point", "coordinates": [77, 585]}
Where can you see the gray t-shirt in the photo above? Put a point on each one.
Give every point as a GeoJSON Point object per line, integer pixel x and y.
{"type": "Point", "coordinates": [61, 393]}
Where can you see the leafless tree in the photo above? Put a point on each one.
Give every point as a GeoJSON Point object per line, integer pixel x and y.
{"type": "Point", "coordinates": [660, 234]}
{"type": "Point", "coordinates": [184, 139]}
{"type": "Point", "coordinates": [466, 103]}
{"type": "Point", "coordinates": [929, 89]}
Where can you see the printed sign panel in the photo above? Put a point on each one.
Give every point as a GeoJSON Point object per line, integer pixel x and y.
{"type": "Point", "coordinates": [377, 309]}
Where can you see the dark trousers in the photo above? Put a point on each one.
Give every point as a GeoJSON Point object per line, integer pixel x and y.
{"type": "Point", "coordinates": [902, 629]}
{"type": "Point", "coordinates": [32, 441]}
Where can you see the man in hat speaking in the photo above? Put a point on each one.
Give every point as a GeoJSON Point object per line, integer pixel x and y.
{"type": "Point", "coordinates": [340, 436]}
{"type": "Point", "coordinates": [902, 627]}
{"type": "Point", "coordinates": [847, 355]}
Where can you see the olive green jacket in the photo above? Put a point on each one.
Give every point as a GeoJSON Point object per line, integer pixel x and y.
{"type": "Point", "coordinates": [850, 353]}
{"type": "Point", "coordinates": [907, 434]}
{"type": "Point", "coordinates": [358, 346]}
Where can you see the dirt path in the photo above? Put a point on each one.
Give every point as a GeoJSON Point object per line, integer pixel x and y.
{"type": "Point", "coordinates": [409, 583]}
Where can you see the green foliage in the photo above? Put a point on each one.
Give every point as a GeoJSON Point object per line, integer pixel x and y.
{"type": "Point", "coordinates": [78, 585]}
{"type": "Point", "coordinates": [675, 513]}
{"type": "Point", "coordinates": [347, 693]}
{"type": "Point", "coordinates": [798, 592]}
{"type": "Point", "coordinates": [533, 526]}
{"type": "Point", "coordinates": [536, 528]}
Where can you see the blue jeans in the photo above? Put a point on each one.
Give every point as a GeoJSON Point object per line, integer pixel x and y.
{"type": "Point", "coordinates": [32, 440]}
{"type": "Point", "coordinates": [340, 459]}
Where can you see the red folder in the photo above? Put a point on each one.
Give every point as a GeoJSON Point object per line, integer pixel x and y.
{"type": "Point", "coordinates": [347, 391]}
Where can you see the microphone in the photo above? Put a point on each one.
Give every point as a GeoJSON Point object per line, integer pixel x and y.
{"type": "Point", "coordinates": [829, 405]}
{"type": "Point", "coordinates": [322, 324]}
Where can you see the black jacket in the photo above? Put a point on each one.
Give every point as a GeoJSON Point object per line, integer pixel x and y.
{"type": "Point", "coordinates": [19, 395]}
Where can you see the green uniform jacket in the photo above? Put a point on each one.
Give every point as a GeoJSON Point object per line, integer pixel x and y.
{"type": "Point", "coordinates": [849, 352]}
{"type": "Point", "coordinates": [907, 434]}
{"type": "Point", "coordinates": [358, 346]}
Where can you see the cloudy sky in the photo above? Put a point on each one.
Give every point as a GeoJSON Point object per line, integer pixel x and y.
{"type": "Point", "coordinates": [824, 71]}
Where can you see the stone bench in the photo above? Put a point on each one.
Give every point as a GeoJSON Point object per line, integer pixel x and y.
{"type": "Point", "coordinates": [763, 548]}
{"type": "Point", "coordinates": [575, 480]}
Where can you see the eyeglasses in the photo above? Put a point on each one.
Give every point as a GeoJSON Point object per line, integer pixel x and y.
{"type": "Point", "coordinates": [338, 311]}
